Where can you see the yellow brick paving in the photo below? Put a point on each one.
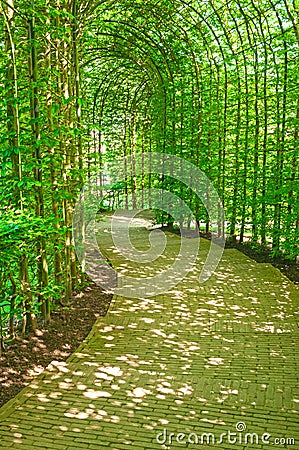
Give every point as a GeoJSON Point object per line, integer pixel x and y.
{"type": "Point", "coordinates": [179, 370]}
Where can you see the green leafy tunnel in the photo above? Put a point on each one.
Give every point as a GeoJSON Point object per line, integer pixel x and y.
{"type": "Point", "coordinates": [85, 82]}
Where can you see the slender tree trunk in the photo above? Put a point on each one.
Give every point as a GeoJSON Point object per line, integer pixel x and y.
{"type": "Point", "coordinates": [52, 153]}
{"type": "Point", "coordinates": [134, 139]}
{"type": "Point", "coordinates": [237, 167]}
{"type": "Point", "coordinates": [67, 151]}
{"type": "Point", "coordinates": [39, 196]}
{"type": "Point", "coordinates": [13, 124]}
{"type": "Point", "coordinates": [254, 237]}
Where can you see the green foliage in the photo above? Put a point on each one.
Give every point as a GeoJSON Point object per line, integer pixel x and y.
{"type": "Point", "coordinates": [108, 81]}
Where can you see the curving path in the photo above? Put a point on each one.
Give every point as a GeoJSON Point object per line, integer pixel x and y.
{"type": "Point", "coordinates": [211, 365]}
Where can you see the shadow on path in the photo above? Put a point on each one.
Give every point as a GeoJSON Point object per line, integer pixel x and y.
{"type": "Point", "coordinates": [216, 362]}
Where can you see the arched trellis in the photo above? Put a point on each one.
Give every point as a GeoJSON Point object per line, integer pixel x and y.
{"type": "Point", "coordinates": [210, 81]}
{"type": "Point", "coordinates": [216, 64]}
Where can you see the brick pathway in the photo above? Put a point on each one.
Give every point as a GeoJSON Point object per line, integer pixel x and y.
{"type": "Point", "coordinates": [203, 360]}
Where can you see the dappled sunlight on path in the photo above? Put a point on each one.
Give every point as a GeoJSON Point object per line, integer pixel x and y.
{"type": "Point", "coordinates": [198, 359]}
